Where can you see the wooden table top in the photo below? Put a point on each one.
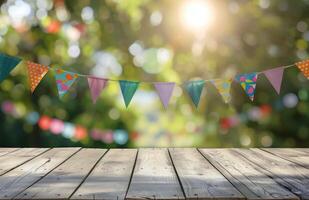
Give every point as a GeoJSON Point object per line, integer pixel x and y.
{"type": "Point", "coordinates": [154, 173]}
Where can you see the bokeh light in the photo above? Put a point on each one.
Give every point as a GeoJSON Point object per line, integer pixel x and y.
{"type": "Point", "coordinates": [197, 15]}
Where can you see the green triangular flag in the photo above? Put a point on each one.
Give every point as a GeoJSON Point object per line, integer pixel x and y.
{"type": "Point", "coordinates": [194, 89]}
{"type": "Point", "coordinates": [7, 63]}
{"type": "Point", "coordinates": [128, 88]}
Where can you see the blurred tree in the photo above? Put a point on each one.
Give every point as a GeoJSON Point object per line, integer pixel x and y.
{"type": "Point", "coordinates": [151, 41]}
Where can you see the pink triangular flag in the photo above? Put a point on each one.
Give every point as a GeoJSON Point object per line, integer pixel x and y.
{"type": "Point", "coordinates": [164, 90]}
{"type": "Point", "coordinates": [275, 77]}
{"type": "Point", "coordinates": [96, 85]}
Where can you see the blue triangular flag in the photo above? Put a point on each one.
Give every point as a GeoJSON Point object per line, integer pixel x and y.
{"type": "Point", "coordinates": [7, 63]}
{"type": "Point", "coordinates": [128, 89]}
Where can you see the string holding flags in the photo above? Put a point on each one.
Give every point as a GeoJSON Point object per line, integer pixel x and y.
{"type": "Point", "coordinates": [65, 79]}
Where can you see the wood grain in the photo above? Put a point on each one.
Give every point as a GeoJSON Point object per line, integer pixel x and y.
{"type": "Point", "coordinates": [288, 174]}
{"type": "Point", "coordinates": [298, 156]}
{"type": "Point", "coordinates": [251, 182]}
{"type": "Point", "coordinates": [199, 178]}
{"type": "Point", "coordinates": [22, 177]}
{"type": "Point", "coordinates": [4, 151]}
{"type": "Point", "coordinates": [154, 177]}
{"type": "Point", "coordinates": [66, 178]}
{"type": "Point", "coordinates": [14, 159]}
{"type": "Point", "coordinates": [110, 178]}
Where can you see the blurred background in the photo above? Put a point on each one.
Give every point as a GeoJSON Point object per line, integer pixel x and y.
{"type": "Point", "coordinates": [162, 40]}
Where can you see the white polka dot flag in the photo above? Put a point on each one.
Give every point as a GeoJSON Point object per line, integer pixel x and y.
{"type": "Point", "coordinates": [303, 66]}
{"type": "Point", "coordinates": [36, 73]}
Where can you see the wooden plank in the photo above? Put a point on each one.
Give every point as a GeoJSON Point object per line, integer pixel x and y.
{"type": "Point", "coordinates": [154, 177]}
{"type": "Point", "coordinates": [20, 178]}
{"type": "Point", "coordinates": [16, 158]}
{"type": "Point", "coordinates": [288, 174]}
{"type": "Point", "coordinates": [65, 179]}
{"type": "Point", "coordinates": [4, 151]}
{"type": "Point", "coordinates": [245, 176]}
{"type": "Point", "coordinates": [199, 178]}
{"type": "Point", "coordinates": [110, 178]}
{"type": "Point", "coordinates": [298, 156]}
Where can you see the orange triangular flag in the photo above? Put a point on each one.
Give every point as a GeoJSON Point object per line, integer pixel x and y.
{"type": "Point", "coordinates": [36, 73]}
{"type": "Point", "coordinates": [303, 66]}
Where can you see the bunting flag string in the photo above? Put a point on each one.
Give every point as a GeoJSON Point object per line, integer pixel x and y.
{"type": "Point", "coordinates": [65, 79]}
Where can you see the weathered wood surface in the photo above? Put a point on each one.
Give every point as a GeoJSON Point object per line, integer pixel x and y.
{"type": "Point", "coordinates": [66, 178]}
{"type": "Point", "coordinates": [17, 180]}
{"type": "Point", "coordinates": [290, 175]}
{"type": "Point", "coordinates": [199, 178]}
{"type": "Point", "coordinates": [12, 160]}
{"type": "Point", "coordinates": [110, 178]}
{"type": "Point", "coordinates": [154, 176]}
{"type": "Point", "coordinates": [154, 173]}
{"type": "Point", "coordinates": [298, 156]}
{"type": "Point", "coordinates": [4, 151]}
{"type": "Point", "coordinates": [246, 177]}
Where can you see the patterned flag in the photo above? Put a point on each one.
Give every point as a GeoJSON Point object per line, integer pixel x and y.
{"type": "Point", "coordinates": [275, 77]}
{"type": "Point", "coordinates": [164, 91]}
{"type": "Point", "coordinates": [7, 63]}
{"type": "Point", "coordinates": [36, 73]}
{"type": "Point", "coordinates": [223, 86]}
{"type": "Point", "coordinates": [248, 83]}
{"type": "Point", "coordinates": [128, 89]}
{"type": "Point", "coordinates": [194, 89]}
{"type": "Point", "coordinates": [96, 85]}
{"type": "Point", "coordinates": [64, 80]}
{"type": "Point", "coordinates": [303, 66]}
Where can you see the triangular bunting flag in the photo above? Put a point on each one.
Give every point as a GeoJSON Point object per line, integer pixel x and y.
{"type": "Point", "coordinates": [64, 80]}
{"type": "Point", "coordinates": [303, 66]}
{"type": "Point", "coordinates": [36, 73]}
{"type": "Point", "coordinates": [223, 86]}
{"type": "Point", "coordinates": [194, 89]}
{"type": "Point", "coordinates": [96, 85]}
{"type": "Point", "coordinates": [128, 88]}
{"type": "Point", "coordinates": [248, 83]}
{"type": "Point", "coordinates": [275, 77]}
{"type": "Point", "coordinates": [7, 63]}
{"type": "Point", "coordinates": [164, 91]}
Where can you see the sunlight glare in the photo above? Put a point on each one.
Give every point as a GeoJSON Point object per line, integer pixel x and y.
{"type": "Point", "coordinates": [197, 14]}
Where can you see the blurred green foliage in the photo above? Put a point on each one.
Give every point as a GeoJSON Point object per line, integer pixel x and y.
{"type": "Point", "coordinates": [79, 36]}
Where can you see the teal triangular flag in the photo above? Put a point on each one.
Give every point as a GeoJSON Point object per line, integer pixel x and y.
{"type": "Point", "coordinates": [194, 89]}
{"type": "Point", "coordinates": [7, 63]}
{"type": "Point", "coordinates": [128, 88]}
